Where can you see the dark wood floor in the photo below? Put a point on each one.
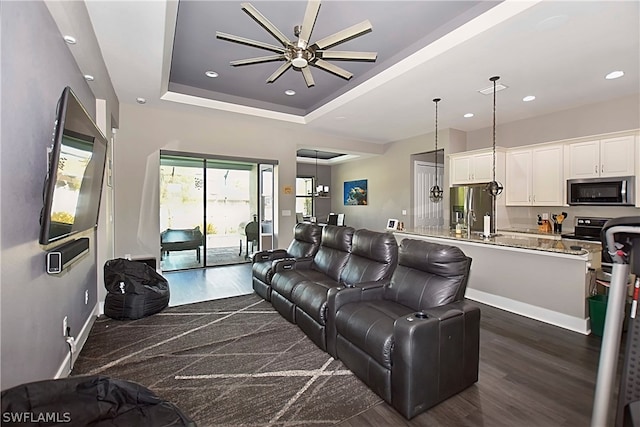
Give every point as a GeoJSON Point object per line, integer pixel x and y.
{"type": "Point", "coordinates": [203, 284]}
{"type": "Point", "coordinates": [531, 373]}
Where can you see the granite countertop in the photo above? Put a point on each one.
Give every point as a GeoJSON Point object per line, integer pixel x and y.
{"type": "Point", "coordinates": [523, 242]}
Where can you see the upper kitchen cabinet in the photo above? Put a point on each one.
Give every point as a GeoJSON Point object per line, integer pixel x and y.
{"type": "Point", "coordinates": [534, 176]}
{"type": "Point", "coordinates": [475, 167]}
{"type": "Point", "coordinates": [601, 158]}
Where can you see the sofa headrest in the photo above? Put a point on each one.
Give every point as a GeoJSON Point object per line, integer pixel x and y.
{"type": "Point", "coordinates": [337, 237]}
{"type": "Point", "coordinates": [434, 258]}
{"type": "Point", "coordinates": [380, 247]}
{"type": "Point", "coordinates": [307, 232]}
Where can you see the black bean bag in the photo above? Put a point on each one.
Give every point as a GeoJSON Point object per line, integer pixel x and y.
{"type": "Point", "coordinates": [135, 290]}
{"type": "Point", "coordinates": [96, 401]}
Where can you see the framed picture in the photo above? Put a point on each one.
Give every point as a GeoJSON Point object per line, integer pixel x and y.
{"type": "Point", "coordinates": [392, 224]}
{"type": "Point", "coordinates": [355, 193]}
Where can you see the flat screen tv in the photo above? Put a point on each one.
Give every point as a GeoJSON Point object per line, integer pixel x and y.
{"type": "Point", "coordinates": [73, 185]}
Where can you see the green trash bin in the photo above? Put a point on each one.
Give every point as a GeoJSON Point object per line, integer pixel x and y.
{"type": "Point", "coordinates": [597, 312]}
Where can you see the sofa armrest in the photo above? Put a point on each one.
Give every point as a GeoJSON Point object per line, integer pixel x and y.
{"type": "Point", "coordinates": [434, 357]}
{"type": "Point", "coordinates": [288, 263]}
{"type": "Point", "coordinates": [269, 255]}
{"type": "Point", "coordinates": [345, 294]}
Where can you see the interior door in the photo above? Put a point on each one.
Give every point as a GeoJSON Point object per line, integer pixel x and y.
{"type": "Point", "coordinates": [427, 212]}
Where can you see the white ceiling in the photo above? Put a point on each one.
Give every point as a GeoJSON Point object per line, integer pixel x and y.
{"type": "Point", "coordinates": [557, 51]}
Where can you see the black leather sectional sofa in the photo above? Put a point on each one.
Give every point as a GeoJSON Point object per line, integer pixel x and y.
{"type": "Point", "coordinates": [394, 315]}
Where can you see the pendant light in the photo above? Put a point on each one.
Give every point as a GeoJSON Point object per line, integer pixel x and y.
{"type": "Point", "coordinates": [436, 192]}
{"type": "Point", "coordinates": [315, 178]}
{"type": "Point", "coordinates": [494, 187]}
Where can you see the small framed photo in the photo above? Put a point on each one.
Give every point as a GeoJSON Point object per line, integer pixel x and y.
{"type": "Point", "coordinates": [392, 224]}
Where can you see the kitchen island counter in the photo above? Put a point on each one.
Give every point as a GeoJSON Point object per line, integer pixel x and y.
{"type": "Point", "coordinates": [540, 278]}
{"type": "Point", "coordinates": [513, 239]}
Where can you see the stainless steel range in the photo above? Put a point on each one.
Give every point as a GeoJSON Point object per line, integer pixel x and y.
{"type": "Point", "coordinates": [589, 229]}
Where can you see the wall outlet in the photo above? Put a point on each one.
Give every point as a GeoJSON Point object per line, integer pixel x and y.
{"type": "Point", "coordinates": [127, 256]}
{"type": "Point", "coordinates": [404, 211]}
{"type": "Point", "coordinates": [86, 297]}
{"type": "Point", "coordinates": [65, 323]}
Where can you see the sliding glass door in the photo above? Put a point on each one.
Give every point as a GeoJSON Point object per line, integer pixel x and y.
{"type": "Point", "coordinates": [228, 201]}
{"type": "Point", "coordinates": [181, 213]}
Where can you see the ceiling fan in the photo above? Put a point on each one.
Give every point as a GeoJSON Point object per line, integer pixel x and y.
{"type": "Point", "coordinates": [300, 53]}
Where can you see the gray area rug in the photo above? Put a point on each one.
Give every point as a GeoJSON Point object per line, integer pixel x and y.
{"type": "Point", "coordinates": [229, 362]}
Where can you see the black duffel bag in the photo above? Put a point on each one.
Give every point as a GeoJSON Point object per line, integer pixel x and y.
{"type": "Point", "coordinates": [135, 290]}
{"type": "Point", "coordinates": [95, 401]}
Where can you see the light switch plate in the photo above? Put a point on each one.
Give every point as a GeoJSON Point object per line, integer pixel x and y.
{"type": "Point", "coordinates": [286, 212]}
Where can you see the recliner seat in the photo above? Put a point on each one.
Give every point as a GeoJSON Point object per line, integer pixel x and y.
{"type": "Point", "coordinates": [324, 267]}
{"type": "Point", "coordinates": [373, 258]}
{"type": "Point", "coordinates": [305, 244]}
{"type": "Point", "coordinates": [414, 341]}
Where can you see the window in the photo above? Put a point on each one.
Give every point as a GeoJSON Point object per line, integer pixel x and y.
{"type": "Point", "coordinates": [304, 196]}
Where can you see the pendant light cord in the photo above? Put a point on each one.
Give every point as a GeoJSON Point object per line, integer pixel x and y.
{"type": "Point", "coordinates": [315, 184]}
{"type": "Point", "coordinates": [436, 100]}
{"type": "Point", "coordinates": [494, 125]}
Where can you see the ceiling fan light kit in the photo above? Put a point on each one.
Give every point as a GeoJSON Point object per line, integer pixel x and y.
{"type": "Point", "coordinates": [301, 53]}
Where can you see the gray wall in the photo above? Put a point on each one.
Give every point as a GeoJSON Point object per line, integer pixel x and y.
{"type": "Point", "coordinates": [612, 116]}
{"type": "Point", "coordinates": [389, 180]}
{"type": "Point", "coordinates": [36, 66]}
{"type": "Point", "coordinates": [145, 130]}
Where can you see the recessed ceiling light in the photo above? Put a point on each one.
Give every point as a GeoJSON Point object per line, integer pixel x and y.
{"type": "Point", "coordinates": [141, 100]}
{"type": "Point", "coordinates": [614, 75]}
{"type": "Point", "coordinates": [88, 77]}
{"type": "Point", "coordinates": [468, 115]}
{"type": "Point", "coordinates": [211, 74]}
{"type": "Point", "coordinates": [289, 92]}
{"type": "Point", "coordinates": [70, 39]}
{"type": "Point", "coordinates": [528, 98]}
{"type": "Point", "coordinates": [340, 117]}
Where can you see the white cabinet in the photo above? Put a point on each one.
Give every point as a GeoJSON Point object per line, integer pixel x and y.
{"type": "Point", "coordinates": [601, 158]}
{"type": "Point", "coordinates": [469, 168]}
{"type": "Point", "coordinates": [534, 176]}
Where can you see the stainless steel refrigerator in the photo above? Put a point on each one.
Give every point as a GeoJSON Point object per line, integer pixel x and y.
{"type": "Point", "coordinates": [471, 202]}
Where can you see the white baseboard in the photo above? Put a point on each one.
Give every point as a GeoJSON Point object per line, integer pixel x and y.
{"type": "Point", "coordinates": [64, 369]}
{"type": "Point", "coordinates": [562, 320]}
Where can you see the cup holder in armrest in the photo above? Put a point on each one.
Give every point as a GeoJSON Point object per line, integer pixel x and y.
{"type": "Point", "coordinates": [421, 315]}
{"type": "Point", "coordinates": [348, 285]}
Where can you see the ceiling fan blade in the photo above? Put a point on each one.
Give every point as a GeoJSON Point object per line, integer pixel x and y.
{"type": "Point", "coordinates": [249, 42]}
{"type": "Point", "coordinates": [308, 78]}
{"type": "Point", "coordinates": [284, 67]}
{"type": "Point", "coordinates": [344, 35]}
{"type": "Point", "coordinates": [310, 16]}
{"type": "Point", "coordinates": [346, 55]}
{"type": "Point", "coordinates": [265, 23]}
{"type": "Point", "coordinates": [327, 66]}
{"type": "Point", "coordinates": [258, 60]}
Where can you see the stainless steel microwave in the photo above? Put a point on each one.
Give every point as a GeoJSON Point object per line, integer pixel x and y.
{"type": "Point", "coordinates": [602, 191]}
